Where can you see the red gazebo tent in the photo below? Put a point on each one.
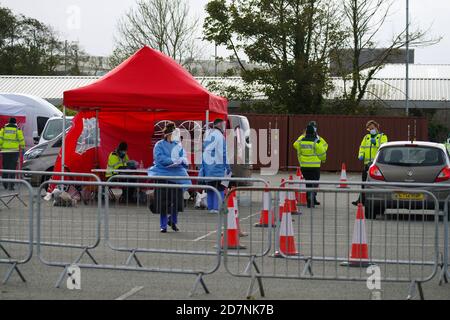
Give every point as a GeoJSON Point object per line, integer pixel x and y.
{"type": "Point", "coordinates": [126, 103]}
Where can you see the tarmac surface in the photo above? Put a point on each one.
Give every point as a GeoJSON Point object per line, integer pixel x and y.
{"type": "Point", "coordinates": [134, 261]}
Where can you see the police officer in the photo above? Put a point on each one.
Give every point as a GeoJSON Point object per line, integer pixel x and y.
{"type": "Point", "coordinates": [11, 140]}
{"type": "Point", "coordinates": [319, 140]}
{"type": "Point", "coordinates": [311, 153]}
{"type": "Point", "coordinates": [368, 150]}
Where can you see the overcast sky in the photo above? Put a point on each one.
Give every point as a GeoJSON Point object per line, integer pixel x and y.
{"type": "Point", "coordinates": [98, 20]}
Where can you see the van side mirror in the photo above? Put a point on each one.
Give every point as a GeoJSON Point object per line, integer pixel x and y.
{"type": "Point", "coordinates": [36, 139]}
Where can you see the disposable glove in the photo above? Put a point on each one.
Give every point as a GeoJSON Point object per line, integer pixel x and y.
{"type": "Point", "coordinates": [361, 158]}
{"type": "Point", "coordinates": [373, 140]}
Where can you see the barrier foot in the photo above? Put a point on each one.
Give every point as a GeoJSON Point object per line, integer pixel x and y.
{"type": "Point", "coordinates": [90, 256]}
{"type": "Point", "coordinates": [308, 268]}
{"type": "Point", "coordinates": [133, 256]}
{"type": "Point", "coordinates": [255, 278]}
{"type": "Point", "coordinates": [443, 273]}
{"type": "Point", "coordinates": [61, 277]}
{"type": "Point", "coordinates": [412, 291]}
{"type": "Point", "coordinates": [10, 271]}
{"type": "Point", "coordinates": [199, 280]}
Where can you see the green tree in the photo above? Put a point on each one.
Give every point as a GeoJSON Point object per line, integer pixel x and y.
{"type": "Point", "coordinates": [289, 39]}
{"type": "Point", "coordinates": [30, 47]}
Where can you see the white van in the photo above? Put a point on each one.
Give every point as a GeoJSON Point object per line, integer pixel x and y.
{"type": "Point", "coordinates": [32, 114]}
{"type": "Point", "coordinates": [53, 128]}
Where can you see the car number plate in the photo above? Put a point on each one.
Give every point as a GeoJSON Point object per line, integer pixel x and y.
{"type": "Point", "coordinates": [409, 196]}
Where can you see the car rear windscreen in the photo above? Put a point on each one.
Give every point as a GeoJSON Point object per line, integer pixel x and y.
{"type": "Point", "coordinates": [411, 156]}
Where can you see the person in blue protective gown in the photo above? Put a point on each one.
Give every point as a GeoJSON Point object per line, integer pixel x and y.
{"type": "Point", "coordinates": [169, 161]}
{"type": "Point", "coordinates": [215, 162]}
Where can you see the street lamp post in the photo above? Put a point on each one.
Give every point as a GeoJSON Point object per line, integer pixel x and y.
{"type": "Point", "coordinates": [215, 59]}
{"type": "Point", "coordinates": [407, 58]}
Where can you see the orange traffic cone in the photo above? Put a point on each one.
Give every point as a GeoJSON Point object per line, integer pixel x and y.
{"type": "Point", "coordinates": [292, 200]}
{"type": "Point", "coordinates": [343, 177]}
{"type": "Point", "coordinates": [282, 199]}
{"type": "Point", "coordinates": [299, 176]}
{"type": "Point", "coordinates": [232, 236]}
{"type": "Point", "coordinates": [265, 212]}
{"type": "Point", "coordinates": [302, 198]}
{"type": "Point", "coordinates": [359, 256]}
{"type": "Point", "coordinates": [236, 213]}
{"type": "Point", "coordinates": [286, 242]}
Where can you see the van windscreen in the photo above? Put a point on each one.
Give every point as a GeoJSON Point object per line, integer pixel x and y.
{"type": "Point", "coordinates": [54, 128]}
{"type": "Point", "coordinates": [411, 156]}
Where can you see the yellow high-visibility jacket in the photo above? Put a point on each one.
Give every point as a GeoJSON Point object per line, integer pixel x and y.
{"type": "Point", "coordinates": [11, 138]}
{"type": "Point", "coordinates": [368, 150]}
{"type": "Point", "coordinates": [114, 163]}
{"type": "Point", "coordinates": [310, 154]}
{"type": "Point", "coordinates": [320, 140]}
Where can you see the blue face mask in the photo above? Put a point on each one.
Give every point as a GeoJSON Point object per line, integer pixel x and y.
{"type": "Point", "coordinates": [373, 132]}
{"type": "Point", "coordinates": [122, 154]}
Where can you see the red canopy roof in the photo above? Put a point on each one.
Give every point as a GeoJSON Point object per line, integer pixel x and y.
{"type": "Point", "coordinates": [148, 80]}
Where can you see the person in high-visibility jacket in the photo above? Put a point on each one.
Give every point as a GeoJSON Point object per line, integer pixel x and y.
{"type": "Point", "coordinates": [118, 159]}
{"type": "Point", "coordinates": [12, 143]}
{"type": "Point", "coordinates": [311, 154]}
{"type": "Point", "coordinates": [368, 150]}
{"type": "Point", "coordinates": [319, 139]}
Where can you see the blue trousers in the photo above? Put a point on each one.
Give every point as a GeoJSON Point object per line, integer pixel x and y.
{"type": "Point", "coordinates": [213, 202]}
{"type": "Point", "coordinates": [164, 218]}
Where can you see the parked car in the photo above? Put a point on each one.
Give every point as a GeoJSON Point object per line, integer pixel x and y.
{"type": "Point", "coordinates": [410, 162]}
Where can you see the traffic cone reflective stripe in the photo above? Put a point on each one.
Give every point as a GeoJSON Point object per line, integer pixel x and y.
{"type": "Point", "coordinates": [264, 218]}
{"type": "Point", "coordinates": [298, 193]}
{"type": "Point", "coordinates": [292, 200]}
{"type": "Point", "coordinates": [286, 240]}
{"type": "Point", "coordinates": [360, 249]}
{"type": "Point", "coordinates": [236, 213]}
{"type": "Point", "coordinates": [232, 230]}
{"type": "Point", "coordinates": [343, 176]}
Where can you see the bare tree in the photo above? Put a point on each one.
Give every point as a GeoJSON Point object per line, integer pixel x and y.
{"type": "Point", "coordinates": [364, 20]}
{"type": "Point", "coordinates": [165, 25]}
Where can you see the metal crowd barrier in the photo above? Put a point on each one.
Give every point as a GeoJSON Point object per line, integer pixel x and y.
{"type": "Point", "coordinates": [445, 272]}
{"type": "Point", "coordinates": [16, 227]}
{"type": "Point", "coordinates": [320, 242]}
{"type": "Point", "coordinates": [131, 229]}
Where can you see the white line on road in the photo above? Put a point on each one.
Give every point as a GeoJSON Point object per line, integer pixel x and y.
{"type": "Point", "coordinates": [130, 293]}
{"type": "Point", "coordinates": [212, 232]}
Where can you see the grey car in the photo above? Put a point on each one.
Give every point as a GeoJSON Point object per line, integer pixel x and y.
{"type": "Point", "coordinates": [408, 162]}
{"type": "Point", "coordinates": [41, 158]}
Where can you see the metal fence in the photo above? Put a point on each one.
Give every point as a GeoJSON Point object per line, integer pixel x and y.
{"type": "Point", "coordinates": [16, 226]}
{"type": "Point", "coordinates": [321, 243]}
{"type": "Point", "coordinates": [262, 232]}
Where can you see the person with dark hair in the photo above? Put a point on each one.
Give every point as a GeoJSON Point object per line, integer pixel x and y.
{"type": "Point", "coordinates": [169, 160]}
{"type": "Point", "coordinates": [12, 142]}
{"type": "Point", "coordinates": [215, 162]}
{"type": "Point", "coordinates": [319, 140]}
{"type": "Point", "coordinates": [117, 159]}
{"type": "Point", "coordinates": [368, 150]}
{"type": "Point", "coordinates": [311, 154]}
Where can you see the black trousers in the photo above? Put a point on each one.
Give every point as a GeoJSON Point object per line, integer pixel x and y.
{"type": "Point", "coordinates": [9, 163]}
{"type": "Point", "coordinates": [311, 174]}
{"type": "Point", "coordinates": [365, 173]}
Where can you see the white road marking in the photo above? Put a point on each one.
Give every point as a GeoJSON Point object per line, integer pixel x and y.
{"type": "Point", "coordinates": [212, 232]}
{"type": "Point", "coordinates": [130, 293]}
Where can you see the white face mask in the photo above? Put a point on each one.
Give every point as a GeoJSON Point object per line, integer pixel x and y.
{"type": "Point", "coordinates": [176, 135]}
{"type": "Point", "coordinates": [373, 132]}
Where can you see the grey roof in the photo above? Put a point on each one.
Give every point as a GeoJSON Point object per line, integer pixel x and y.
{"type": "Point", "coordinates": [429, 86]}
